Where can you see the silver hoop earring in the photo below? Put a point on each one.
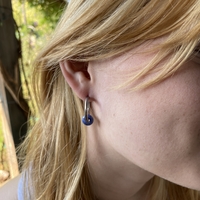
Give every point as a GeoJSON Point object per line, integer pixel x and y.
{"type": "Point", "coordinates": [87, 119]}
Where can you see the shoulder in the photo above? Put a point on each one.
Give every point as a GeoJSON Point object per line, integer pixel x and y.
{"type": "Point", "coordinates": [10, 189]}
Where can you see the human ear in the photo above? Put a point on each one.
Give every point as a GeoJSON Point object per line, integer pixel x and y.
{"type": "Point", "coordinates": [77, 76]}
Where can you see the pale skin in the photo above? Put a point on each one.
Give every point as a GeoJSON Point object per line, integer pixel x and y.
{"type": "Point", "coordinates": [136, 135]}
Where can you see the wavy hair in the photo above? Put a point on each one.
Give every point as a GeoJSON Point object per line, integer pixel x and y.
{"type": "Point", "coordinates": [91, 30]}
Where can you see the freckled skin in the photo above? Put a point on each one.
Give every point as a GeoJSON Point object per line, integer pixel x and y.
{"type": "Point", "coordinates": [156, 129]}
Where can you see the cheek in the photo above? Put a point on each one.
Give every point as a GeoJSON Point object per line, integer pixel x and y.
{"type": "Point", "coordinates": [159, 129]}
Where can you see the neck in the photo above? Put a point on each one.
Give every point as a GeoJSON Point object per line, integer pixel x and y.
{"type": "Point", "coordinates": [113, 176]}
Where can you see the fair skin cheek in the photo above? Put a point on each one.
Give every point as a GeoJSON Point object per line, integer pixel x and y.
{"type": "Point", "coordinates": [136, 135]}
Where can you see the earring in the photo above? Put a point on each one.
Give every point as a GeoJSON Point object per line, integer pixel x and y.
{"type": "Point", "coordinates": [87, 119]}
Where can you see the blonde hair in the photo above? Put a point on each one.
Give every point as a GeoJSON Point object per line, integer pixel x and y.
{"type": "Point", "coordinates": [91, 30]}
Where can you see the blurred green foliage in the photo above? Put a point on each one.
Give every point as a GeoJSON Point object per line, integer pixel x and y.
{"type": "Point", "coordinates": [51, 9]}
{"type": "Point", "coordinates": [35, 20]}
{"type": "Point", "coordinates": [3, 163]}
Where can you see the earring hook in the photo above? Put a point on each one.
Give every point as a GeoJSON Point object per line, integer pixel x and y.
{"type": "Point", "coordinates": [87, 119]}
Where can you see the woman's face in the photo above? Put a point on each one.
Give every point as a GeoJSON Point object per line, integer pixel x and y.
{"type": "Point", "coordinates": [157, 129]}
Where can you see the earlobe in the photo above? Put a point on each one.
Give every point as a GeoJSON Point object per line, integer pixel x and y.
{"type": "Point", "coordinates": [77, 76]}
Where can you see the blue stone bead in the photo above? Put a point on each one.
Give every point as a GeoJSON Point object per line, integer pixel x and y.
{"type": "Point", "coordinates": [89, 122]}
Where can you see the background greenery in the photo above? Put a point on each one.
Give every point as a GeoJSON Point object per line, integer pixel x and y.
{"type": "Point", "coordinates": [35, 21]}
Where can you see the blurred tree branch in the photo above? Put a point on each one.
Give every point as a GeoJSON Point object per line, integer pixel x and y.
{"type": "Point", "coordinates": [10, 53]}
